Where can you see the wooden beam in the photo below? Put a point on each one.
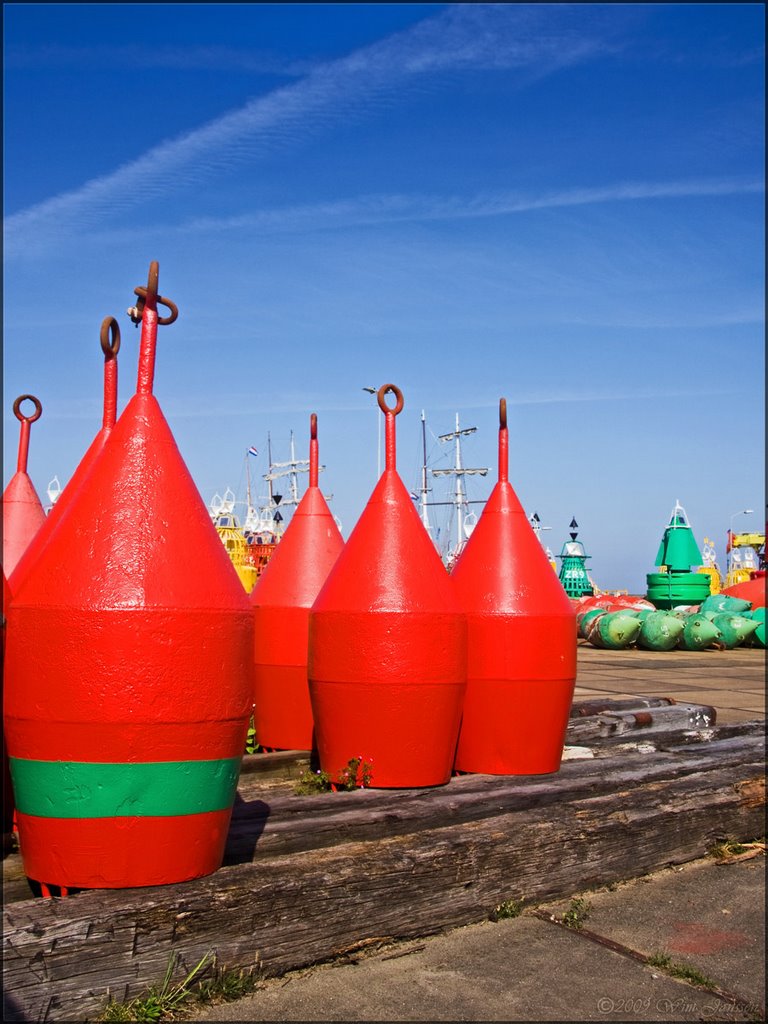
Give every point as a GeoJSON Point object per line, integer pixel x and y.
{"type": "Point", "coordinates": [311, 878]}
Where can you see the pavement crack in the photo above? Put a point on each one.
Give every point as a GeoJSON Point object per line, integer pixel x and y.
{"type": "Point", "coordinates": [618, 947]}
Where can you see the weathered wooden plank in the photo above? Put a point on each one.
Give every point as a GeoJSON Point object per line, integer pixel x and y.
{"type": "Point", "coordinates": [286, 824]}
{"type": "Point", "coordinates": [63, 956]}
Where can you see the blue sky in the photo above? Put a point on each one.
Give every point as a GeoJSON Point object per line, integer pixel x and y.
{"type": "Point", "coordinates": [558, 204]}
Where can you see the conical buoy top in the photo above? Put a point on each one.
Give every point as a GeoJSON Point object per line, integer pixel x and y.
{"type": "Point", "coordinates": [521, 642]}
{"type": "Point", "coordinates": [109, 338]}
{"type": "Point", "coordinates": [387, 643]}
{"type": "Point", "coordinates": [501, 568]}
{"type": "Point", "coordinates": [375, 572]}
{"type": "Point", "coordinates": [678, 549]}
{"type": "Point", "coordinates": [23, 513]}
{"type": "Point", "coordinates": [281, 601]}
{"type": "Point", "coordinates": [110, 552]}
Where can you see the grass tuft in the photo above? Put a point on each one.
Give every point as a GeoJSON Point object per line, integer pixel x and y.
{"type": "Point", "coordinates": [664, 962]}
{"type": "Point", "coordinates": [167, 1001]}
{"type": "Point", "coordinates": [577, 913]}
{"type": "Point", "coordinates": [506, 909]}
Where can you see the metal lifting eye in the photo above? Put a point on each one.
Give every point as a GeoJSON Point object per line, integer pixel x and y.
{"type": "Point", "coordinates": [110, 337]}
{"type": "Point", "coordinates": [136, 312]}
{"type": "Point", "coordinates": [20, 415]}
{"type": "Point", "coordinates": [393, 389]}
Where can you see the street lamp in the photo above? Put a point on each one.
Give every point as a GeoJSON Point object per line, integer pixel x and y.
{"type": "Point", "coordinates": [743, 512]}
{"type": "Point", "coordinates": [375, 391]}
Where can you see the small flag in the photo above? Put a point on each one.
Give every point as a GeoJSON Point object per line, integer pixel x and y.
{"type": "Point", "coordinates": [252, 450]}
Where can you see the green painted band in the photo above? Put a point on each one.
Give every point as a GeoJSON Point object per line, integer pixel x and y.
{"type": "Point", "coordinates": [86, 789]}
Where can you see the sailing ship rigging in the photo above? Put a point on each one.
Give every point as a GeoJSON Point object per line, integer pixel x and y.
{"type": "Point", "coordinates": [463, 519]}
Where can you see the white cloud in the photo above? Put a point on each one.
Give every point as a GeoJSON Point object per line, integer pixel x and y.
{"type": "Point", "coordinates": [460, 37]}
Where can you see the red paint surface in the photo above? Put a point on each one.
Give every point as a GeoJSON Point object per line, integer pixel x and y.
{"type": "Point", "coordinates": [387, 646]}
{"type": "Point", "coordinates": [48, 526]}
{"type": "Point", "coordinates": [749, 590]}
{"type": "Point", "coordinates": [130, 638]}
{"type": "Point", "coordinates": [281, 602]}
{"type": "Point", "coordinates": [116, 853]}
{"type": "Point", "coordinates": [8, 803]}
{"type": "Point", "coordinates": [521, 643]}
{"type": "Point", "coordinates": [23, 513]}
{"type": "Point", "coordinates": [23, 516]}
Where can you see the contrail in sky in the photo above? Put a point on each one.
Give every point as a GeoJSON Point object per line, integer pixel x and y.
{"type": "Point", "coordinates": [379, 209]}
{"type": "Point", "coordinates": [465, 36]}
{"type": "Point", "coordinates": [201, 407]}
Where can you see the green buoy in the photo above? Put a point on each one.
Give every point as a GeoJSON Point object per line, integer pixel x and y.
{"type": "Point", "coordinates": [678, 551]}
{"type": "Point", "coordinates": [698, 634]}
{"type": "Point", "coordinates": [573, 572]}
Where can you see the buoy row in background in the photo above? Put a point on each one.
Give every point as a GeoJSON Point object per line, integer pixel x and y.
{"type": "Point", "coordinates": [132, 668]}
{"type": "Point", "coordinates": [719, 621]}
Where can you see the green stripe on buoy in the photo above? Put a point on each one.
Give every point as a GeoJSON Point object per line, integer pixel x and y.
{"type": "Point", "coordinates": [81, 789]}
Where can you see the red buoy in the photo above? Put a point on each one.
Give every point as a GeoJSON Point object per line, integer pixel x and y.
{"type": "Point", "coordinates": [7, 785]}
{"type": "Point", "coordinates": [23, 513]}
{"type": "Point", "coordinates": [109, 338]}
{"type": "Point", "coordinates": [387, 644]}
{"type": "Point", "coordinates": [281, 601]}
{"type": "Point", "coordinates": [521, 657]}
{"type": "Point", "coordinates": [126, 726]}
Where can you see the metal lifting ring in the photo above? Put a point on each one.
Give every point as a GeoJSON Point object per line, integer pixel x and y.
{"type": "Point", "coordinates": [313, 426]}
{"type": "Point", "coordinates": [135, 313]}
{"type": "Point", "coordinates": [503, 413]}
{"type": "Point", "coordinates": [393, 389]}
{"type": "Point", "coordinates": [20, 415]}
{"type": "Point", "coordinates": [161, 301]}
{"type": "Point", "coordinates": [110, 336]}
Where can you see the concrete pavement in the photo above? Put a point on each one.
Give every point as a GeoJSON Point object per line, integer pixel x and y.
{"type": "Point", "coordinates": [703, 921]}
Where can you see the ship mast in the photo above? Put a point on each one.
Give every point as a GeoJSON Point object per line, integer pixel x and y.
{"type": "Point", "coordinates": [267, 477]}
{"type": "Point", "coordinates": [251, 517]}
{"type": "Point", "coordinates": [291, 469]}
{"type": "Point", "coordinates": [459, 471]}
{"type": "Point", "coordinates": [424, 488]}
